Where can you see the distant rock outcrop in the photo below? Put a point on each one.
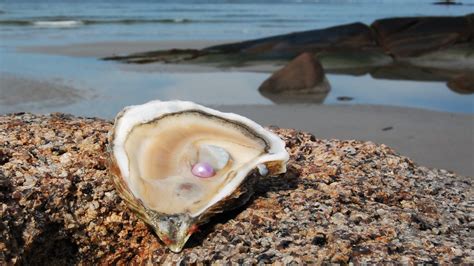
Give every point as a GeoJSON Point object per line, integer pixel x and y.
{"type": "Point", "coordinates": [439, 44]}
{"type": "Point", "coordinates": [413, 36]}
{"type": "Point", "coordinates": [447, 3]}
{"type": "Point", "coordinates": [303, 75]}
{"type": "Point", "coordinates": [355, 35]}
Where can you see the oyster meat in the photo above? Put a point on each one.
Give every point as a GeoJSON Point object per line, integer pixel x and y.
{"type": "Point", "coordinates": [177, 163]}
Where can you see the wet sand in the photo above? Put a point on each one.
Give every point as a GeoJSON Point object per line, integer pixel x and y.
{"type": "Point", "coordinates": [434, 139]}
{"type": "Point", "coordinates": [20, 91]}
{"type": "Point", "coordinates": [111, 48]}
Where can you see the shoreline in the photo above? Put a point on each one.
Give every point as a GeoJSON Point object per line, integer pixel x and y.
{"type": "Point", "coordinates": [110, 48]}
{"type": "Point", "coordinates": [99, 50]}
{"type": "Point", "coordinates": [415, 69]}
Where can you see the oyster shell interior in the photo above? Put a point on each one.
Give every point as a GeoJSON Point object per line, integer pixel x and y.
{"type": "Point", "coordinates": [163, 151]}
{"type": "Point", "coordinates": [178, 163]}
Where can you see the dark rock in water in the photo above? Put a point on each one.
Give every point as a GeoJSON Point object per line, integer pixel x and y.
{"type": "Point", "coordinates": [345, 98]}
{"type": "Point", "coordinates": [448, 3]}
{"type": "Point", "coordinates": [355, 35]}
{"type": "Point", "coordinates": [167, 56]}
{"type": "Point", "coordinates": [462, 84]}
{"type": "Point", "coordinates": [303, 75]}
{"type": "Point", "coordinates": [413, 36]}
{"type": "Point", "coordinates": [341, 201]}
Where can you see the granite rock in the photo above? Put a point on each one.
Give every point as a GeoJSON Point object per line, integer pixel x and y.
{"type": "Point", "coordinates": [341, 201]}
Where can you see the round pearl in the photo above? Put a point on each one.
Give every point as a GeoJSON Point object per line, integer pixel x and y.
{"type": "Point", "coordinates": [203, 170]}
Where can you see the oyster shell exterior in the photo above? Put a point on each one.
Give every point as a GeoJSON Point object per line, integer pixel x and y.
{"type": "Point", "coordinates": [153, 148]}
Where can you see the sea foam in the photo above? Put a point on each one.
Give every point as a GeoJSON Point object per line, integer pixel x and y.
{"type": "Point", "coordinates": [58, 24]}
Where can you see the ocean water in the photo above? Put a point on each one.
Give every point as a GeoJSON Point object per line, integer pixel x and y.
{"type": "Point", "coordinates": [62, 22]}
{"type": "Point", "coordinates": [52, 21]}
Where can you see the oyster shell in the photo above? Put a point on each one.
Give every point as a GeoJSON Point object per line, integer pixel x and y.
{"type": "Point", "coordinates": [155, 147]}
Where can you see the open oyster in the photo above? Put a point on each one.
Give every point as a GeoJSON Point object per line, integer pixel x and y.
{"type": "Point", "coordinates": [177, 163]}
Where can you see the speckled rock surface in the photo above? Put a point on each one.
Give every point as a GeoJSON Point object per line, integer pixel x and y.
{"type": "Point", "coordinates": [340, 201]}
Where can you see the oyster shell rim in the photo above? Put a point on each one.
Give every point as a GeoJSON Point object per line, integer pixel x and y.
{"type": "Point", "coordinates": [155, 110]}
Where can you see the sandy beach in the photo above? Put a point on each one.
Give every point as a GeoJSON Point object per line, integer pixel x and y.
{"type": "Point", "coordinates": [111, 48]}
{"type": "Point", "coordinates": [433, 139]}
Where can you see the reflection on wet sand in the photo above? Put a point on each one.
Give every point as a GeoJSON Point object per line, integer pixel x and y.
{"type": "Point", "coordinates": [459, 81]}
{"type": "Point", "coordinates": [19, 91]}
{"type": "Point", "coordinates": [294, 98]}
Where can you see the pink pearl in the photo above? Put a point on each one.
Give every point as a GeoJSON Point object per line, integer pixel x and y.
{"type": "Point", "coordinates": [203, 170]}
